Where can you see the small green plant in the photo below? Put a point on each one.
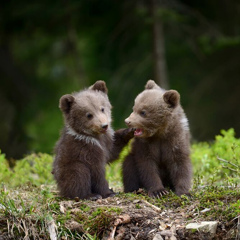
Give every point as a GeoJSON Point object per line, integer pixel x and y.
{"type": "Point", "coordinates": [236, 207]}
{"type": "Point", "coordinates": [85, 208]}
{"type": "Point", "coordinates": [138, 206]}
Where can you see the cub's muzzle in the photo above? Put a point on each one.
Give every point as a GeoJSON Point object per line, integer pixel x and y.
{"type": "Point", "coordinates": [127, 121]}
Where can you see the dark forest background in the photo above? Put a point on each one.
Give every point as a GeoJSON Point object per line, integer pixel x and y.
{"type": "Point", "coordinates": [50, 48]}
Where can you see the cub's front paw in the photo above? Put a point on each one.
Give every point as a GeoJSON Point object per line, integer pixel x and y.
{"type": "Point", "coordinates": [126, 133]}
{"type": "Point", "coordinates": [111, 193]}
{"type": "Point", "coordinates": [130, 132]}
{"type": "Point", "coordinates": [95, 197]}
{"type": "Point", "coordinates": [157, 193]}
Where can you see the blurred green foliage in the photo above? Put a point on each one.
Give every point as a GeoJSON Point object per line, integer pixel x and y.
{"type": "Point", "coordinates": [219, 160]}
{"type": "Point", "coordinates": [34, 169]}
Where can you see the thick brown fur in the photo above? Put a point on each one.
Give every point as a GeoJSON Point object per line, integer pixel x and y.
{"type": "Point", "coordinates": [86, 144]}
{"type": "Point", "coordinates": [160, 151]}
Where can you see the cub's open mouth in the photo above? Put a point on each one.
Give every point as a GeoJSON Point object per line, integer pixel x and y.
{"type": "Point", "coordinates": [138, 132]}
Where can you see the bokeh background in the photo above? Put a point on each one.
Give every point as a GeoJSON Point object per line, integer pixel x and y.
{"type": "Point", "coordinates": [50, 48]}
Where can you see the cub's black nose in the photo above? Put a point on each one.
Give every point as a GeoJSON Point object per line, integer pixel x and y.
{"type": "Point", "coordinates": [105, 126]}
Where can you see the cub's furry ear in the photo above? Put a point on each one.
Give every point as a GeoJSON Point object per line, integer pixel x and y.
{"type": "Point", "coordinates": [65, 103]}
{"type": "Point", "coordinates": [100, 86]}
{"type": "Point", "coordinates": [172, 98]}
{"type": "Point", "coordinates": [151, 85]}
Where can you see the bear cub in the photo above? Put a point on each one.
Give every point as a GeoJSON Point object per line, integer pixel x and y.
{"type": "Point", "coordinates": [86, 144]}
{"type": "Point", "coordinates": [160, 151]}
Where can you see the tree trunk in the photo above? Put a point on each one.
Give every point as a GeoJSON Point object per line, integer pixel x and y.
{"type": "Point", "coordinates": [159, 61]}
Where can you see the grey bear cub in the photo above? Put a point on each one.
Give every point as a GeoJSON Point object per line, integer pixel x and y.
{"type": "Point", "coordinates": [87, 144]}
{"type": "Point", "coordinates": [160, 151]}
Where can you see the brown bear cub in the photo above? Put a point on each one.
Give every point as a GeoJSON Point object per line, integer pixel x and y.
{"type": "Point", "coordinates": [86, 144]}
{"type": "Point", "coordinates": [160, 151]}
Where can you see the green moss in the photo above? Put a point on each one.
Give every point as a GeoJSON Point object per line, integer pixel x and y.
{"type": "Point", "coordinates": [98, 220]}
{"type": "Point", "coordinates": [138, 206]}
{"type": "Point", "coordinates": [99, 223]}
{"type": "Point", "coordinates": [85, 208]}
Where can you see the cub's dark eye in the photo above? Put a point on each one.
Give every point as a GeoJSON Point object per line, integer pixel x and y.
{"type": "Point", "coordinates": [143, 113]}
{"type": "Point", "coordinates": [89, 116]}
{"type": "Point", "coordinates": [102, 109]}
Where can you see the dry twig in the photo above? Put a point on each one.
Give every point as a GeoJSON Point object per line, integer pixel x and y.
{"type": "Point", "coordinates": [152, 206]}
{"type": "Point", "coordinates": [125, 218]}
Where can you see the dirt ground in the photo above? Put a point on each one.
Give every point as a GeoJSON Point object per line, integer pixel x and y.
{"type": "Point", "coordinates": [140, 219]}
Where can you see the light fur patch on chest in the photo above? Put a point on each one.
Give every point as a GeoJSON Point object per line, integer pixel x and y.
{"type": "Point", "coordinates": [184, 122]}
{"type": "Point", "coordinates": [84, 138]}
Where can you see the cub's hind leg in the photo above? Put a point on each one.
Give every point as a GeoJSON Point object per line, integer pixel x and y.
{"type": "Point", "coordinates": [99, 183]}
{"type": "Point", "coordinates": [76, 182]}
{"type": "Point", "coordinates": [130, 174]}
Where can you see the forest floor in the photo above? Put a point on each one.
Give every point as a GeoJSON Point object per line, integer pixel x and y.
{"type": "Point", "coordinates": [38, 213]}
